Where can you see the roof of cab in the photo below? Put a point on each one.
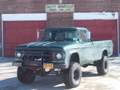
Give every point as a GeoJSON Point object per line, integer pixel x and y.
{"type": "Point", "coordinates": [66, 28]}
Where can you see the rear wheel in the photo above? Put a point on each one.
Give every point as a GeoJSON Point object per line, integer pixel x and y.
{"type": "Point", "coordinates": [102, 66]}
{"type": "Point", "coordinates": [25, 76]}
{"type": "Point", "coordinates": [72, 75]}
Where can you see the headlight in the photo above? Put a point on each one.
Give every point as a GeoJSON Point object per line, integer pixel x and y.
{"type": "Point", "coordinates": [59, 56]}
{"type": "Point", "coordinates": [18, 54]}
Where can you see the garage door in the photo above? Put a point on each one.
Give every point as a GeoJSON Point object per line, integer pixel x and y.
{"type": "Point", "coordinates": [20, 32]}
{"type": "Point", "coordinates": [101, 26]}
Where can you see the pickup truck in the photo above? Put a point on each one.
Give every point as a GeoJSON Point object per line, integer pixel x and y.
{"type": "Point", "coordinates": [63, 50]}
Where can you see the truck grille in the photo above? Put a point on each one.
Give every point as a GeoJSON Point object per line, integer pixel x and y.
{"type": "Point", "coordinates": [37, 55]}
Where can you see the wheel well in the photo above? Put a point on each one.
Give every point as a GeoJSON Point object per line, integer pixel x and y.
{"type": "Point", "coordinates": [105, 52]}
{"type": "Point", "coordinates": [74, 58]}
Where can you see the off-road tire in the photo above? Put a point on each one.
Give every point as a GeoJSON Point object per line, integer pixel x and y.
{"type": "Point", "coordinates": [72, 75]}
{"type": "Point", "coordinates": [102, 66]}
{"type": "Point", "coordinates": [25, 76]}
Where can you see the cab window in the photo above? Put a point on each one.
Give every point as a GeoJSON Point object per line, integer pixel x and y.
{"type": "Point", "coordinates": [83, 36]}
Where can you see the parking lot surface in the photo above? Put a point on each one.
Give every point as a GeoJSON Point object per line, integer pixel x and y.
{"type": "Point", "coordinates": [90, 79]}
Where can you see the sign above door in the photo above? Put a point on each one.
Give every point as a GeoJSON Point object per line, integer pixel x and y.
{"type": "Point", "coordinates": [60, 8]}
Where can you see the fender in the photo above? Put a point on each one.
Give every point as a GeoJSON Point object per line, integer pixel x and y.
{"type": "Point", "coordinates": [73, 51]}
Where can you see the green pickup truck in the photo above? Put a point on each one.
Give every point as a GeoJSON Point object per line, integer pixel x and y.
{"type": "Point", "coordinates": [62, 50]}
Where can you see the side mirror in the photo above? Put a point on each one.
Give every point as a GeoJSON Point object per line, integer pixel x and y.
{"type": "Point", "coordinates": [88, 35]}
{"type": "Point", "coordinates": [38, 34]}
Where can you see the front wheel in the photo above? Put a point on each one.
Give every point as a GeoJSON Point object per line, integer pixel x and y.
{"type": "Point", "coordinates": [102, 66]}
{"type": "Point", "coordinates": [25, 76]}
{"type": "Point", "coordinates": [72, 75]}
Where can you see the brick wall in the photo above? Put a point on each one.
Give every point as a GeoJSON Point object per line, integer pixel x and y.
{"type": "Point", "coordinates": [59, 19]}
{"type": "Point", "coordinates": [38, 6]}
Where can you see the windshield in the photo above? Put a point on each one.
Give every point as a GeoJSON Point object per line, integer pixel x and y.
{"type": "Point", "coordinates": [60, 35]}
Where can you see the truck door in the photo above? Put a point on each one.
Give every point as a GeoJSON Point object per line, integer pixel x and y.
{"type": "Point", "coordinates": [87, 48]}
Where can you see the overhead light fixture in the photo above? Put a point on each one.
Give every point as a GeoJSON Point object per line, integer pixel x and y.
{"type": "Point", "coordinates": [103, 12]}
{"type": "Point", "coordinates": [60, 17]}
{"type": "Point", "coordinates": [113, 14]}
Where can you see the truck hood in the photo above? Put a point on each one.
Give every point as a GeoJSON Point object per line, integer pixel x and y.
{"type": "Point", "coordinates": [46, 45]}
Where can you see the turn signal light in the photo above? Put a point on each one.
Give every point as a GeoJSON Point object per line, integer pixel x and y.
{"type": "Point", "coordinates": [53, 55]}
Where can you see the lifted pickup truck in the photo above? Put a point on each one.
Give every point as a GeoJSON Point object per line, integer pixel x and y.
{"type": "Point", "coordinates": [62, 50]}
